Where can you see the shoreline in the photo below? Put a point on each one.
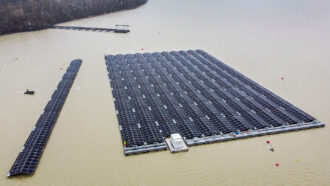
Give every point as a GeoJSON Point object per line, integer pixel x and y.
{"type": "Point", "coordinates": [25, 26]}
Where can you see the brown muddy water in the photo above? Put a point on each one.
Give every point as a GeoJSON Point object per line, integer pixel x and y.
{"type": "Point", "coordinates": [265, 40]}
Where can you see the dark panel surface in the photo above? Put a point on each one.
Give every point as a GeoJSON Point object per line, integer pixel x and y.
{"type": "Point", "coordinates": [30, 154]}
{"type": "Point", "coordinates": [191, 93]}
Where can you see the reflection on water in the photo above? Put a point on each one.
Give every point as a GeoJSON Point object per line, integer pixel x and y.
{"type": "Point", "coordinates": [265, 40]}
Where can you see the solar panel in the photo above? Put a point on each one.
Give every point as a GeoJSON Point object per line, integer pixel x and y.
{"type": "Point", "coordinates": [30, 153]}
{"type": "Point", "coordinates": [196, 95]}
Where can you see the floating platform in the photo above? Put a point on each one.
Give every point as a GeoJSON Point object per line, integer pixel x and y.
{"type": "Point", "coordinates": [30, 154]}
{"type": "Point", "coordinates": [91, 29]}
{"type": "Point", "coordinates": [176, 144]}
{"type": "Point", "coordinates": [196, 95]}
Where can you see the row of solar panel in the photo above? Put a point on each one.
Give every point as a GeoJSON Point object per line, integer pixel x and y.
{"type": "Point", "coordinates": [197, 132]}
{"type": "Point", "coordinates": [259, 89]}
{"type": "Point", "coordinates": [228, 99]}
{"type": "Point", "coordinates": [309, 119]}
{"type": "Point", "coordinates": [29, 156]}
{"type": "Point", "coordinates": [212, 100]}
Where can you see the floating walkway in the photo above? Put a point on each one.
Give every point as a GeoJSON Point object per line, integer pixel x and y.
{"type": "Point", "coordinates": [91, 29]}
{"type": "Point", "coordinates": [195, 95]}
{"type": "Point", "coordinates": [253, 133]}
{"type": "Point", "coordinates": [224, 137]}
{"type": "Point", "coordinates": [29, 156]}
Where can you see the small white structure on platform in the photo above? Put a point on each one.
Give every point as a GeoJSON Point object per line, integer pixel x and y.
{"type": "Point", "coordinates": [176, 143]}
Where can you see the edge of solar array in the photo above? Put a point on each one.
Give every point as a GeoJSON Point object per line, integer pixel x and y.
{"type": "Point", "coordinates": [227, 137]}
{"type": "Point", "coordinates": [145, 148]}
{"type": "Point", "coordinates": [254, 133]}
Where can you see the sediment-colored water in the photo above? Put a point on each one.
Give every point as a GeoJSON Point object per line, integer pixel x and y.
{"type": "Point", "coordinates": [265, 40]}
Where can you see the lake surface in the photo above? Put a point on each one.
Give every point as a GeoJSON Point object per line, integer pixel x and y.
{"type": "Point", "coordinates": [265, 40]}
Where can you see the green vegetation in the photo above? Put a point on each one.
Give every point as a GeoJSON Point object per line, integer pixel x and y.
{"type": "Point", "coordinates": [26, 15]}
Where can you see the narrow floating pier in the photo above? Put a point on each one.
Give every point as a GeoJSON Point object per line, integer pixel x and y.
{"type": "Point", "coordinates": [116, 30]}
{"type": "Point", "coordinates": [29, 155]}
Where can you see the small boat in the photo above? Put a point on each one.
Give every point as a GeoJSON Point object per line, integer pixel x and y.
{"type": "Point", "coordinates": [29, 92]}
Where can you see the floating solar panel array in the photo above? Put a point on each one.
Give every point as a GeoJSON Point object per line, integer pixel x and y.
{"type": "Point", "coordinates": [196, 95]}
{"type": "Point", "coordinates": [29, 156]}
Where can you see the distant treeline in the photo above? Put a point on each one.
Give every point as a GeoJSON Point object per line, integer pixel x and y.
{"type": "Point", "coordinates": [25, 15]}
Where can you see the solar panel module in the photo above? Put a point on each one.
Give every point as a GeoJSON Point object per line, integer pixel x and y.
{"type": "Point", "coordinates": [196, 95]}
{"type": "Point", "coordinates": [29, 156]}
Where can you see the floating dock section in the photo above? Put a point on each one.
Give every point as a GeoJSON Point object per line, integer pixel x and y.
{"type": "Point", "coordinates": [91, 29]}
{"type": "Point", "coordinates": [29, 156]}
{"type": "Point", "coordinates": [195, 95]}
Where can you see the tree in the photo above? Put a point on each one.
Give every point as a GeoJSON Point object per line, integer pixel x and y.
{"type": "Point", "coordinates": [25, 15]}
